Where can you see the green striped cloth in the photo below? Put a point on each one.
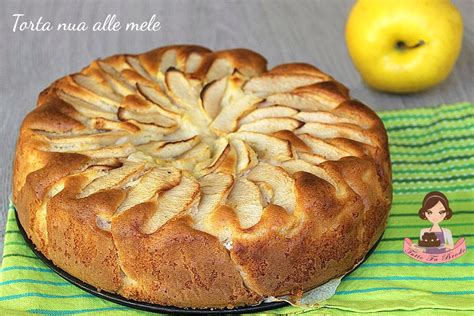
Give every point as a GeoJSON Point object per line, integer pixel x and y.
{"type": "Point", "coordinates": [431, 148]}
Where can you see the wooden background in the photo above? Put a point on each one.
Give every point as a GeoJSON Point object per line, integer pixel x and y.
{"type": "Point", "coordinates": [302, 30]}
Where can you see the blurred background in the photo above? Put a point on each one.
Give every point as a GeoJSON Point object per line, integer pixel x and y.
{"type": "Point", "coordinates": [309, 31]}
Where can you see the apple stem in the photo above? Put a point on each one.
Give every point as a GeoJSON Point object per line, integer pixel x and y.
{"type": "Point", "coordinates": [400, 45]}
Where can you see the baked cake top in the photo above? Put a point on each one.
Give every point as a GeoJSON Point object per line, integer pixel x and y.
{"type": "Point", "coordinates": [211, 140]}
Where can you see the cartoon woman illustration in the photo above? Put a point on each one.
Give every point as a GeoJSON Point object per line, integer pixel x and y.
{"type": "Point", "coordinates": [435, 240]}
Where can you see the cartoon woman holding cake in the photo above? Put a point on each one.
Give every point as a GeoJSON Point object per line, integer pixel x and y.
{"type": "Point", "coordinates": [435, 240]}
{"type": "Point", "coordinates": [435, 244]}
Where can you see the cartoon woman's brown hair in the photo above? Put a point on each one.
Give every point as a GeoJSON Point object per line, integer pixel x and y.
{"type": "Point", "coordinates": [430, 200]}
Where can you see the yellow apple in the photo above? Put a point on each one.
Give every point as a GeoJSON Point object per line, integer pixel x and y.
{"type": "Point", "coordinates": [404, 45]}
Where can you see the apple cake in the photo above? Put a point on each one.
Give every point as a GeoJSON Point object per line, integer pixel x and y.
{"type": "Point", "coordinates": [200, 179]}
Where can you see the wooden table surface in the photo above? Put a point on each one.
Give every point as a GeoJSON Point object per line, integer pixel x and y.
{"type": "Point", "coordinates": [304, 30]}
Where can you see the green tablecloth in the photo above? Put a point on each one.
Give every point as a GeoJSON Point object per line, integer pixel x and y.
{"type": "Point", "coordinates": [431, 149]}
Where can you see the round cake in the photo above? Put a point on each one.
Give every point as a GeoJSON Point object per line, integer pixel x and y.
{"type": "Point", "coordinates": [200, 179]}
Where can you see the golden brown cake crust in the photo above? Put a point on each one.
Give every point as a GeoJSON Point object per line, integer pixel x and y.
{"type": "Point", "coordinates": [199, 179]}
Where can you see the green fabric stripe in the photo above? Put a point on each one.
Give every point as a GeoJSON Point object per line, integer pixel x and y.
{"type": "Point", "coordinates": [423, 126]}
{"type": "Point", "coordinates": [428, 134]}
{"type": "Point", "coordinates": [423, 226]}
{"type": "Point", "coordinates": [416, 215]}
{"type": "Point", "coordinates": [454, 166]}
{"type": "Point", "coordinates": [444, 139]}
{"type": "Point", "coordinates": [432, 161]}
{"type": "Point", "coordinates": [425, 112]}
{"type": "Point", "coordinates": [20, 255]}
{"type": "Point", "coordinates": [442, 188]}
{"type": "Point", "coordinates": [467, 199]}
{"type": "Point", "coordinates": [428, 177]}
{"type": "Point", "coordinates": [409, 278]}
{"type": "Point", "coordinates": [32, 281]}
{"type": "Point", "coordinates": [416, 180]}
{"type": "Point", "coordinates": [45, 296]}
{"type": "Point", "coordinates": [431, 149]}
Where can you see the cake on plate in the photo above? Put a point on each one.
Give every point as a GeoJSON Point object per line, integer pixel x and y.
{"type": "Point", "coordinates": [200, 179]}
{"type": "Point", "coordinates": [429, 240]}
